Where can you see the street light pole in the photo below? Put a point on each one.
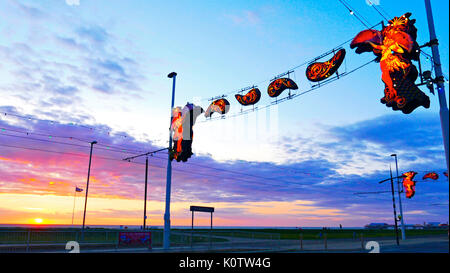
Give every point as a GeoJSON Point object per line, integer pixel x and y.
{"type": "Point", "coordinates": [87, 189]}
{"type": "Point", "coordinates": [443, 112]}
{"type": "Point", "coordinates": [400, 199]}
{"type": "Point", "coordinates": [166, 240]}
{"type": "Point", "coordinates": [393, 204]}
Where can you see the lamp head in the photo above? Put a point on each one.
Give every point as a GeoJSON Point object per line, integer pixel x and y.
{"type": "Point", "coordinates": [94, 142]}
{"type": "Point", "coordinates": [172, 74]}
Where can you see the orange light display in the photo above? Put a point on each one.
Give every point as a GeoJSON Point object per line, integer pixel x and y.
{"type": "Point", "coordinates": [182, 122]}
{"type": "Point", "coordinates": [319, 71]}
{"type": "Point", "coordinates": [409, 184]}
{"type": "Point", "coordinates": [279, 85]}
{"type": "Point", "coordinates": [431, 175]}
{"type": "Point", "coordinates": [250, 98]}
{"type": "Point", "coordinates": [395, 46]}
{"type": "Point", "coordinates": [221, 106]}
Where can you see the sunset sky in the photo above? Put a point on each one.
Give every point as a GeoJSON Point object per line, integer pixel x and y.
{"type": "Point", "coordinates": [88, 70]}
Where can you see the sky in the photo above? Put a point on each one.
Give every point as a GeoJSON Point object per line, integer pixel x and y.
{"type": "Point", "coordinates": [76, 71]}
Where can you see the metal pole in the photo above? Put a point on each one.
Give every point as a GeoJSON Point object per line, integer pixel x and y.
{"type": "Point", "coordinates": [400, 199]}
{"type": "Point", "coordinates": [74, 198]}
{"type": "Point", "coordinates": [145, 194]}
{"type": "Point", "coordinates": [210, 232]}
{"type": "Point", "coordinates": [192, 228]}
{"type": "Point", "coordinates": [166, 241]}
{"type": "Point", "coordinates": [393, 204]}
{"type": "Point", "coordinates": [87, 189]}
{"type": "Point", "coordinates": [443, 112]}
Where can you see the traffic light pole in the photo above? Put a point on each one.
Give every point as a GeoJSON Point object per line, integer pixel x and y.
{"type": "Point", "coordinates": [166, 240]}
{"type": "Point", "coordinates": [443, 112]}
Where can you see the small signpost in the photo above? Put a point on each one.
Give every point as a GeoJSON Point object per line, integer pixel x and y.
{"type": "Point", "coordinates": [202, 209]}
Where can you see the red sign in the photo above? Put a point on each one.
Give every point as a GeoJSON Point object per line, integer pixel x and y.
{"type": "Point", "coordinates": [135, 238]}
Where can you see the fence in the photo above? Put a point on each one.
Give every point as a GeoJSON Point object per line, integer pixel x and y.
{"type": "Point", "coordinates": [198, 240]}
{"type": "Point", "coordinates": [37, 240]}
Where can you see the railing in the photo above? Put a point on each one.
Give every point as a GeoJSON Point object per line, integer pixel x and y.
{"type": "Point", "coordinates": [36, 240]}
{"type": "Point", "coordinates": [197, 240]}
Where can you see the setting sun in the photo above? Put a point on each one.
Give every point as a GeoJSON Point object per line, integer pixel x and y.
{"type": "Point", "coordinates": [38, 220]}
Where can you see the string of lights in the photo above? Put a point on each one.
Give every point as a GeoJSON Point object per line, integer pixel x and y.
{"type": "Point", "coordinates": [51, 136]}
{"type": "Point", "coordinates": [373, 6]}
{"type": "Point", "coordinates": [63, 143]}
{"type": "Point", "coordinates": [31, 118]}
{"type": "Point", "coordinates": [289, 97]}
{"type": "Point", "coordinates": [356, 14]}
{"type": "Point", "coordinates": [291, 70]}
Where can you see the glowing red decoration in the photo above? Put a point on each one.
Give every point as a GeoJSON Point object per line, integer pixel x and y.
{"type": "Point", "coordinates": [446, 174]}
{"type": "Point", "coordinates": [395, 46]}
{"type": "Point", "coordinates": [431, 175]}
{"type": "Point", "coordinates": [319, 71]}
{"type": "Point", "coordinates": [279, 85]}
{"type": "Point", "coordinates": [182, 122]}
{"type": "Point", "coordinates": [409, 184]}
{"type": "Point", "coordinates": [221, 106]}
{"type": "Point", "coordinates": [250, 98]}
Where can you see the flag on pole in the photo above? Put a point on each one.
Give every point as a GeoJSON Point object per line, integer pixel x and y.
{"type": "Point", "coordinates": [78, 189]}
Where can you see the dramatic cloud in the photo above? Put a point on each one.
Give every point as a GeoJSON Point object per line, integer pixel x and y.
{"type": "Point", "coordinates": [44, 158]}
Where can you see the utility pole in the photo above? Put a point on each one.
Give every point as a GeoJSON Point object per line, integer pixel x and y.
{"type": "Point", "coordinates": [400, 199]}
{"type": "Point", "coordinates": [145, 192]}
{"type": "Point", "coordinates": [146, 178]}
{"type": "Point", "coordinates": [166, 240]}
{"type": "Point", "coordinates": [87, 189]}
{"type": "Point", "coordinates": [443, 112]}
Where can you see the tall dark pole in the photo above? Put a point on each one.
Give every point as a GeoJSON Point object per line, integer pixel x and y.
{"type": "Point", "coordinates": [443, 111]}
{"type": "Point", "coordinates": [145, 194]}
{"type": "Point", "coordinates": [74, 198]}
{"type": "Point", "coordinates": [166, 240]}
{"type": "Point", "coordinates": [400, 199]}
{"type": "Point", "coordinates": [87, 189]}
{"type": "Point", "coordinates": [393, 204]}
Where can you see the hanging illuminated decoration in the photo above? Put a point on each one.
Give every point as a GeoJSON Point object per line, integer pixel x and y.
{"type": "Point", "coordinates": [277, 86]}
{"type": "Point", "coordinates": [319, 71]}
{"type": "Point", "coordinates": [182, 122]}
{"type": "Point", "coordinates": [431, 175]}
{"type": "Point", "coordinates": [221, 106]}
{"type": "Point", "coordinates": [250, 98]}
{"type": "Point", "coordinates": [395, 46]}
{"type": "Point", "coordinates": [409, 184]}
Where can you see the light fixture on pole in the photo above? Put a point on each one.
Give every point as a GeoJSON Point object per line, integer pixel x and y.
{"type": "Point", "coordinates": [166, 239]}
{"type": "Point", "coordinates": [399, 199]}
{"type": "Point", "coordinates": [87, 189]}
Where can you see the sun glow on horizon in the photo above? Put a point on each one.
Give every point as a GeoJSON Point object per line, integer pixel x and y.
{"type": "Point", "coordinates": [38, 220]}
